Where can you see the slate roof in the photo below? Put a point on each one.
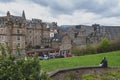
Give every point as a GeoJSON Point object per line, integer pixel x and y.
{"type": "Point", "coordinates": [57, 38]}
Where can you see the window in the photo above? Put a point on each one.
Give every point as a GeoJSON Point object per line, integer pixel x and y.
{"type": "Point", "coordinates": [1, 30]}
{"type": "Point", "coordinates": [1, 37]}
{"type": "Point", "coordinates": [18, 37]}
{"type": "Point", "coordinates": [30, 31]}
{"type": "Point", "coordinates": [18, 44]}
{"type": "Point", "coordinates": [30, 37]}
{"type": "Point", "coordinates": [75, 35]}
{"type": "Point", "coordinates": [3, 44]}
{"type": "Point", "coordinates": [18, 31]}
{"type": "Point", "coordinates": [35, 37]}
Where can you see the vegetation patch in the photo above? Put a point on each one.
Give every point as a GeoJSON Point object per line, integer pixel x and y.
{"type": "Point", "coordinates": [113, 59]}
{"type": "Point", "coordinates": [110, 75]}
{"type": "Point", "coordinates": [104, 46]}
{"type": "Point", "coordinates": [19, 68]}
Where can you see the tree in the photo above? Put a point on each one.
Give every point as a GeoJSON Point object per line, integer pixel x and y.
{"type": "Point", "coordinates": [90, 49]}
{"type": "Point", "coordinates": [12, 68]}
{"type": "Point", "coordinates": [104, 45]}
{"type": "Point", "coordinates": [76, 51]}
{"type": "Point", "coordinates": [2, 49]}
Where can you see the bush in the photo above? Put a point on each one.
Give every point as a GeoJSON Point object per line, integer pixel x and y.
{"type": "Point", "coordinates": [104, 46]}
{"type": "Point", "coordinates": [82, 51]}
{"type": "Point", "coordinates": [90, 49]}
{"type": "Point", "coordinates": [115, 45]}
{"type": "Point", "coordinates": [110, 75]}
{"type": "Point", "coordinates": [89, 77]}
{"type": "Point", "coordinates": [71, 76]}
{"type": "Point", "coordinates": [44, 76]}
{"type": "Point", "coordinates": [21, 68]}
{"type": "Point", "coordinates": [76, 51]}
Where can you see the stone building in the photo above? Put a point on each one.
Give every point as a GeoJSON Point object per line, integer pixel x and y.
{"type": "Point", "coordinates": [12, 31]}
{"type": "Point", "coordinates": [96, 35]}
{"type": "Point", "coordinates": [112, 32]}
{"type": "Point", "coordinates": [17, 31]}
{"type": "Point", "coordinates": [84, 34]}
{"type": "Point", "coordinates": [33, 32]}
{"type": "Point", "coordinates": [65, 45]}
{"type": "Point", "coordinates": [78, 34]}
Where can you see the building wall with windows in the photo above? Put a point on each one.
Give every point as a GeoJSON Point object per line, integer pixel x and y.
{"type": "Point", "coordinates": [22, 33]}
{"type": "Point", "coordinates": [12, 32]}
{"type": "Point", "coordinates": [19, 32]}
{"type": "Point", "coordinates": [65, 45]}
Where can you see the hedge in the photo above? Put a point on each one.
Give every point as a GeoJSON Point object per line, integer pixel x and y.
{"type": "Point", "coordinates": [104, 46]}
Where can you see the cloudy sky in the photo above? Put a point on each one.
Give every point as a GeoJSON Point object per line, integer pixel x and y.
{"type": "Point", "coordinates": [64, 12]}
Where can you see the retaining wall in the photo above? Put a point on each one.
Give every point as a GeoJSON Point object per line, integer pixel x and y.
{"type": "Point", "coordinates": [78, 72]}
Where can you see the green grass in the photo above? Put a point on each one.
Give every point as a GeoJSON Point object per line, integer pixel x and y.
{"type": "Point", "coordinates": [87, 60]}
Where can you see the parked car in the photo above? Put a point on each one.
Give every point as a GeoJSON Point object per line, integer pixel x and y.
{"type": "Point", "coordinates": [44, 57]}
{"type": "Point", "coordinates": [68, 55]}
{"type": "Point", "coordinates": [51, 55]}
{"type": "Point", "coordinates": [59, 56]}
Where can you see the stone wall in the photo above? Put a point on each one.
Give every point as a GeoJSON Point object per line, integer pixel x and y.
{"type": "Point", "coordinates": [78, 72]}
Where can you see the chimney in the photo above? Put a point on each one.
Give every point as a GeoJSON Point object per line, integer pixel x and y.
{"type": "Point", "coordinates": [8, 14]}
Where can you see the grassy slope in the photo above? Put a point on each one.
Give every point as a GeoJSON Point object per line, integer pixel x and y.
{"type": "Point", "coordinates": [88, 60]}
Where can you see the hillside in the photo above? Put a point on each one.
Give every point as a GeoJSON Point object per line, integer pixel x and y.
{"type": "Point", "coordinates": [75, 61]}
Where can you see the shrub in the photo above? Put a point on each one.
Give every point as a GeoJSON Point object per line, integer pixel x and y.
{"type": "Point", "coordinates": [90, 49]}
{"type": "Point", "coordinates": [115, 45]}
{"type": "Point", "coordinates": [44, 76]}
{"type": "Point", "coordinates": [89, 77]}
{"type": "Point", "coordinates": [82, 51]}
{"type": "Point", "coordinates": [76, 51]}
{"type": "Point", "coordinates": [103, 46]}
{"type": "Point", "coordinates": [12, 68]}
{"type": "Point", "coordinates": [110, 75]}
{"type": "Point", "coordinates": [71, 76]}
{"type": "Point", "coordinates": [19, 69]}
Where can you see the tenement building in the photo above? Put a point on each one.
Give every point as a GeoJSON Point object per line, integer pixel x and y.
{"type": "Point", "coordinates": [85, 34]}
{"type": "Point", "coordinates": [29, 35]}
{"type": "Point", "coordinates": [13, 31]}
{"type": "Point", "coordinates": [17, 31]}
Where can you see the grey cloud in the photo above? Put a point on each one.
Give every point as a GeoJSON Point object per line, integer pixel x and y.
{"type": "Point", "coordinates": [6, 1]}
{"type": "Point", "coordinates": [2, 13]}
{"type": "Point", "coordinates": [88, 5]}
{"type": "Point", "coordinates": [103, 9]}
{"type": "Point", "coordinates": [54, 6]}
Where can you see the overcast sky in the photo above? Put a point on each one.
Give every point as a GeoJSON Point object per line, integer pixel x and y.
{"type": "Point", "coordinates": [64, 12]}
